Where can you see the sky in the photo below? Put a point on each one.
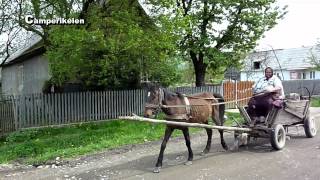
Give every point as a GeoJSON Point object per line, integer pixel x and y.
{"type": "Point", "coordinates": [300, 27]}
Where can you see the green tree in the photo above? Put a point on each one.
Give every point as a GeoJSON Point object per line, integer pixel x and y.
{"type": "Point", "coordinates": [114, 50]}
{"type": "Point", "coordinates": [117, 46]}
{"type": "Point", "coordinates": [315, 56]}
{"type": "Point", "coordinates": [216, 33]}
{"type": "Point", "coordinates": [14, 29]}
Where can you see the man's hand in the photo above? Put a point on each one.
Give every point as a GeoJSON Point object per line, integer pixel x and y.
{"type": "Point", "coordinates": [272, 89]}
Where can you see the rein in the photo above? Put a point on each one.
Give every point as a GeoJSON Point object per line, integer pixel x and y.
{"type": "Point", "coordinates": [161, 105]}
{"type": "Point", "coordinates": [226, 102]}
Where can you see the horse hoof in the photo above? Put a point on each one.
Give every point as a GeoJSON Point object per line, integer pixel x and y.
{"type": "Point", "coordinates": [203, 153]}
{"type": "Point", "coordinates": [156, 169]}
{"type": "Point", "coordinates": [234, 148]}
{"type": "Point", "coordinates": [288, 138]}
{"type": "Point", "coordinates": [188, 163]}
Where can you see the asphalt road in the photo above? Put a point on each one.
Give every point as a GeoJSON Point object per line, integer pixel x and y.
{"type": "Point", "coordinates": [300, 159]}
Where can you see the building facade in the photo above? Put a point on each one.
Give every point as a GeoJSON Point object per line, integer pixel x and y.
{"type": "Point", "coordinates": [288, 64]}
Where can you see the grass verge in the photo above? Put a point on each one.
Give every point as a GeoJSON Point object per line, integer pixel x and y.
{"type": "Point", "coordinates": [315, 102]}
{"type": "Point", "coordinates": [39, 146]}
{"type": "Point", "coordinates": [36, 146]}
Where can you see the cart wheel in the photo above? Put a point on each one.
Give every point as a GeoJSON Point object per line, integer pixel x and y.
{"type": "Point", "coordinates": [310, 127]}
{"type": "Point", "coordinates": [278, 137]}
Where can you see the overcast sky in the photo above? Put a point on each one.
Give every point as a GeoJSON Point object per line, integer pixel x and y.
{"type": "Point", "coordinates": [300, 26]}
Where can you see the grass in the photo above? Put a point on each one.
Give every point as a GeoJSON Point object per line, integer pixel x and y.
{"type": "Point", "coordinates": [40, 146]}
{"type": "Point", "coordinates": [315, 102]}
{"type": "Point", "coordinates": [232, 117]}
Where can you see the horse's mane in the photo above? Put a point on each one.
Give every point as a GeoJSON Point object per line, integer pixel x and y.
{"type": "Point", "coordinates": [180, 95]}
{"type": "Point", "coordinates": [168, 94]}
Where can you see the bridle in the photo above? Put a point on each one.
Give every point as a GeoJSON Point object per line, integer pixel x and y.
{"type": "Point", "coordinates": [157, 107]}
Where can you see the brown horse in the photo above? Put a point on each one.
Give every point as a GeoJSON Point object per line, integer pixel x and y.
{"type": "Point", "coordinates": [196, 108]}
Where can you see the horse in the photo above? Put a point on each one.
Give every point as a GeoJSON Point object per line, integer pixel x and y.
{"type": "Point", "coordinates": [196, 108]}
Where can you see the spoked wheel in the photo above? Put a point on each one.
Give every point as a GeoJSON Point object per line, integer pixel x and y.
{"type": "Point", "coordinates": [278, 137]}
{"type": "Point", "coordinates": [310, 127]}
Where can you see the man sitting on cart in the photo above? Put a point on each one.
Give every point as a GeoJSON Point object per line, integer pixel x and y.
{"type": "Point", "coordinates": [267, 93]}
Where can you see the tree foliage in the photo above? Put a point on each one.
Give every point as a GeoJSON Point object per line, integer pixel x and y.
{"type": "Point", "coordinates": [16, 32]}
{"type": "Point", "coordinates": [116, 48]}
{"type": "Point", "coordinates": [314, 57]}
{"type": "Point", "coordinates": [216, 33]}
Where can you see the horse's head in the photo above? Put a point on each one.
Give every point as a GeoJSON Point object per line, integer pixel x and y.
{"type": "Point", "coordinates": [155, 96]}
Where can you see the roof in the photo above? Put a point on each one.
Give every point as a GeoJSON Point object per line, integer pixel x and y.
{"type": "Point", "coordinates": [32, 47]}
{"type": "Point", "coordinates": [289, 59]}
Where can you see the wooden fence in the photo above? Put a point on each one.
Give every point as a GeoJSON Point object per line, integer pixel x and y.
{"type": "Point", "coordinates": [244, 89]}
{"type": "Point", "coordinates": [37, 110]}
{"type": "Point", "coordinates": [56, 109]}
{"type": "Point", "coordinates": [298, 86]}
{"type": "Point", "coordinates": [7, 120]}
{"type": "Point", "coordinates": [234, 91]}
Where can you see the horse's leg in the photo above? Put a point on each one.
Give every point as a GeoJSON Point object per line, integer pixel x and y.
{"type": "Point", "coordinates": [167, 135]}
{"type": "Point", "coordinates": [223, 143]}
{"type": "Point", "coordinates": [218, 119]}
{"type": "Point", "coordinates": [188, 144]}
{"type": "Point", "coordinates": [208, 146]}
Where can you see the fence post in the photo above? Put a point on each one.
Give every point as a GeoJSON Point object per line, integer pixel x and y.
{"type": "Point", "coordinates": [14, 110]}
{"type": "Point", "coordinates": [236, 92]}
{"type": "Point", "coordinates": [221, 89]}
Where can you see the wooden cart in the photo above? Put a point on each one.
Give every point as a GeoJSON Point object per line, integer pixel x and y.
{"type": "Point", "coordinates": [275, 127]}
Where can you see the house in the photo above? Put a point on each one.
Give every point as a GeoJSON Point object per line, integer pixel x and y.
{"type": "Point", "coordinates": [288, 64]}
{"type": "Point", "coordinates": [232, 73]}
{"type": "Point", "coordinates": [26, 70]}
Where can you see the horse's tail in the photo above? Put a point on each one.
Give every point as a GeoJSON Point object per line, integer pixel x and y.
{"type": "Point", "coordinates": [221, 106]}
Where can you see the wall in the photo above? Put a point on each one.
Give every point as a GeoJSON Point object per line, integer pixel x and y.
{"type": "Point", "coordinates": [26, 77]}
{"type": "Point", "coordinates": [251, 76]}
{"type": "Point", "coordinates": [298, 86]}
{"type": "Point", "coordinates": [256, 75]}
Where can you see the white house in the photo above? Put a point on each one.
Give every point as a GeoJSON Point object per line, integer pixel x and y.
{"type": "Point", "coordinates": [288, 64]}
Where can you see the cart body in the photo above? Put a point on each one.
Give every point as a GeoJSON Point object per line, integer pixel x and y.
{"type": "Point", "coordinates": [276, 124]}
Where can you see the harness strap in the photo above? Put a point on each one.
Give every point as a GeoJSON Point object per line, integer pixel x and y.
{"type": "Point", "coordinates": [188, 107]}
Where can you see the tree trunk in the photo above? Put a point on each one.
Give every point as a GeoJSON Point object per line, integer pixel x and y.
{"type": "Point", "coordinates": [199, 68]}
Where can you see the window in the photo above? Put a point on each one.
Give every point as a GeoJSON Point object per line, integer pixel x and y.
{"type": "Point", "coordinates": [312, 75]}
{"type": "Point", "coordinates": [297, 75]}
{"type": "Point", "coordinates": [294, 75]}
{"type": "Point", "coordinates": [256, 65]}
